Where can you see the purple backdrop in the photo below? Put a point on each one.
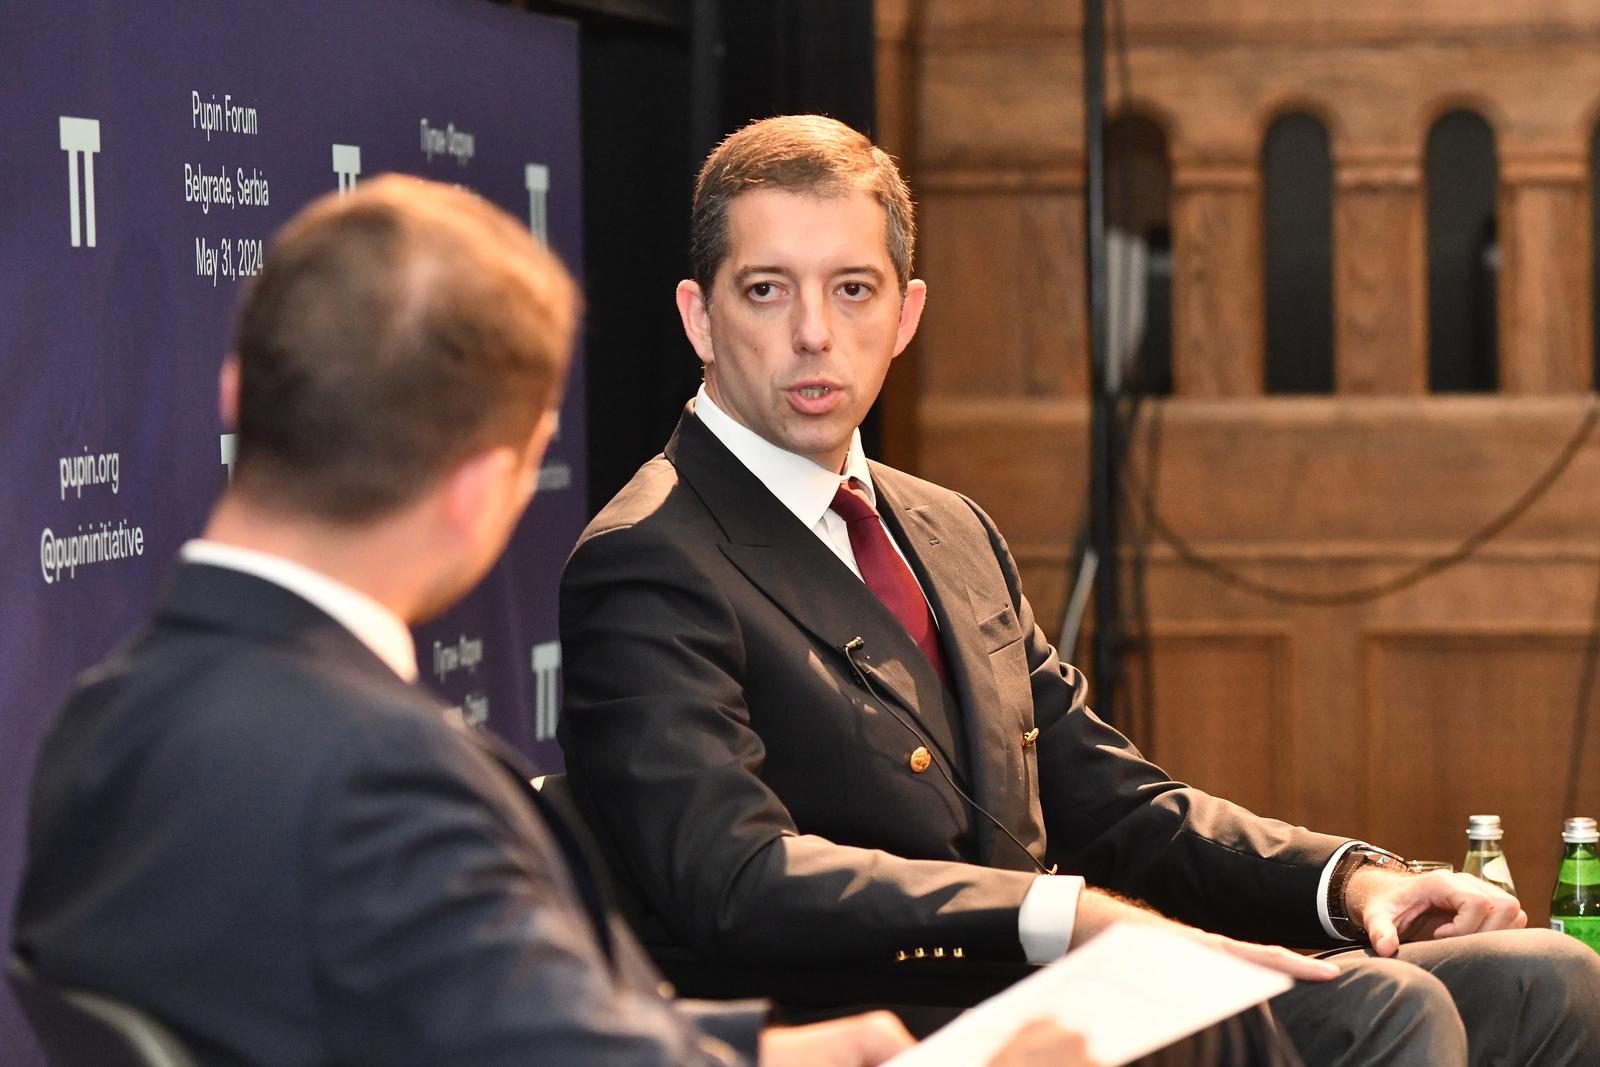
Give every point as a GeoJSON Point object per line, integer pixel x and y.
{"type": "Point", "coordinates": [151, 149]}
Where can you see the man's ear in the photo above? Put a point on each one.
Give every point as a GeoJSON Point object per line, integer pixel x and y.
{"type": "Point", "coordinates": [696, 319]}
{"type": "Point", "coordinates": [470, 499]}
{"type": "Point", "coordinates": [228, 392]}
{"type": "Point", "coordinates": [482, 487]}
{"type": "Point", "coordinates": [910, 313]}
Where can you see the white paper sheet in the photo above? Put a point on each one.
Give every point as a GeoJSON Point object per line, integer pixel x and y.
{"type": "Point", "coordinates": [1130, 991]}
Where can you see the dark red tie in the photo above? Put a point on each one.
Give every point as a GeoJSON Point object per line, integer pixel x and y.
{"type": "Point", "coordinates": [886, 574]}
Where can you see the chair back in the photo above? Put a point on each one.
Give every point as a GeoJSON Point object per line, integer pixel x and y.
{"type": "Point", "coordinates": [82, 1029]}
{"type": "Point", "coordinates": [557, 791]}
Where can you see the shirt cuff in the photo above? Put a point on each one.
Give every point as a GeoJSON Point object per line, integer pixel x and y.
{"type": "Point", "coordinates": [1049, 911]}
{"type": "Point", "coordinates": [1322, 889]}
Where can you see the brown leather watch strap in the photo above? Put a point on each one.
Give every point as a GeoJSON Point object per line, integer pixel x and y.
{"type": "Point", "coordinates": [1362, 855]}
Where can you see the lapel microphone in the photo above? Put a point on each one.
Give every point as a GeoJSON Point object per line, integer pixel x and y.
{"type": "Point", "coordinates": [855, 645]}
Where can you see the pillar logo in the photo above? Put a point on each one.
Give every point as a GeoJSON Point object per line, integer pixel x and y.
{"type": "Point", "coordinates": [536, 176]}
{"type": "Point", "coordinates": [546, 691]}
{"type": "Point", "coordinates": [555, 475]}
{"type": "Point", "coordinates": [80, 138]}
{"type": "Point", "coordinates": [347, 165]}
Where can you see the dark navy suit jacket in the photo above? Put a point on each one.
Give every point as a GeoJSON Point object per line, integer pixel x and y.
{"type": "Point", "coordinates": [246, 824]}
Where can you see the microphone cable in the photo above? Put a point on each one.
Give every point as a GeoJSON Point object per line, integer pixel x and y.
{"type": "Point", "coordinates": [856, 644]}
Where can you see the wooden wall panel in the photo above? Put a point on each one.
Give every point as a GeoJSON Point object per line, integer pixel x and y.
{"type": "Point", "coordinates": [1474, 721]}
{"type": "Point", "coordinates": [1319, 472]}
{"type": "Point", "coordinates": [1315, 495]}
{"type": "Point", "coordinates": [897, 63]}
{"type": "Point", "coordinates": [1380, 301]}
{"type": "Point", "coordinates": [1545, 339]}
{"type": "Point", "coordinates": [1227, 722]}
{"type": "Point", "coordinates": [1340, 20]}
{"type": "Point", "coordinates": [1023, 460]}
{"type": "Point", "coordinates": [1305, 476]}
{"type": "Point", "coordinates": [1380, 96]}
{"type": "Point", "coordinates": [1373, 721]}
{"type": "Point", "coordinates": [1004, 284]}
{"type": "Point", "coordinates": [960, 19]}
{"type": "Point", "coordinates": [1217, 321]}
{"type": "Point", "coordinates": [1002, 104]}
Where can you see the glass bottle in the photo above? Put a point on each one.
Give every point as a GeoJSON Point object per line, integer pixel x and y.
{"type": "Point", "coordinates": [1575, 905]}
{"type": "Point", "coordinates": [1485, 858]}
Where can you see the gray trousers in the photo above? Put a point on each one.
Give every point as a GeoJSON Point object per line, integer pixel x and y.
{"type": "Point", "coordinates": [1511, 998]}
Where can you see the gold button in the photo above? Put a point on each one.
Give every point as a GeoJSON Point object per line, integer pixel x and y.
{"type": "Point", "coordinates": [901, 956]}
{"type": "Point", "coordinates": [959, 953]}
{"type": "Point", "coordinates": [920, 760]}
{"type": "Point", "coordinates": [938, 953]}
{"type": "Point", "coordinates": [1030, 737]}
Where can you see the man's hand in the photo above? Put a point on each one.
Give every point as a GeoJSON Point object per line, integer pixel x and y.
{"type": "Point", "coordinates": [857, 1041]}
{"type": "Point", "coordinates": [1044, 1044]}
{"type": "Point", "coordinates": [1098, 909]}
{"type": "Point", "coordinates": [1393, 907]}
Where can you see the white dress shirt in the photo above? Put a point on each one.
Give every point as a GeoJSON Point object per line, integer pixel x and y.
{"type": "Point", "coordinates": [374, 625]}
{"type": "Point", "coordinates": [799, 484]}
{"type": "Point", "coordinates": [1044, 923]}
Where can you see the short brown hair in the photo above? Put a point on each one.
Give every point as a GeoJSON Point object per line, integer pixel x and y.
{"type": "Point", "coordinates": [393, 333]}
{"type": "Point", "coordinates": [797, 153]}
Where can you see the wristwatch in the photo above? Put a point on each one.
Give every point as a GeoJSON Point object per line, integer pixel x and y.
{"type": "Point", "coordinates": [1362, 855]}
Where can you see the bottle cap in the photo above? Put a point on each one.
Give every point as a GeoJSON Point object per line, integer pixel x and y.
{"type": "Point", "coordinates": [1484, 827]}
{"type": "Point", "coordinates": [1579, 830]}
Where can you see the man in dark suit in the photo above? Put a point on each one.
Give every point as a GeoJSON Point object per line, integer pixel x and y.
{"type": "Point", "coordinates": [811, 715]}
{"type": "Point", "coordinates": [248, 820]}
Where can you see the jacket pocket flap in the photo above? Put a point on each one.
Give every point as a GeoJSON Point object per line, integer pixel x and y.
{"type": "Point", "coordinates": [1000, 629]}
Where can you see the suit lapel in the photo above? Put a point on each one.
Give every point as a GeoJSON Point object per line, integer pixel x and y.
{"type": "Point", "coordinates": [917, 529]}
{"type": "Point", "coordinates": [797, 572]}
{"type": "Point", "coordinates": [990, 724]}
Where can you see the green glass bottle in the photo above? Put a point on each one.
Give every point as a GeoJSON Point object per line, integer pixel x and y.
{"type": "Point", "coordinates": [1575, 905]}
{"type": "Point", "coordinates": [1485, 856]}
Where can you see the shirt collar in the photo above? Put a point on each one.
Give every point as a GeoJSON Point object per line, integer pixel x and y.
{"type": "Point", "coordinates": [804, 487]}
{"type": "Point", "coordinates": [374, 625]}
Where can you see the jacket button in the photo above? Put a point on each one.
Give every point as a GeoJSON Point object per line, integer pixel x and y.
{"type": "Point", "coordinates": [920, 760]}
{"type": "Point", "coordinates": [1030, 737]}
